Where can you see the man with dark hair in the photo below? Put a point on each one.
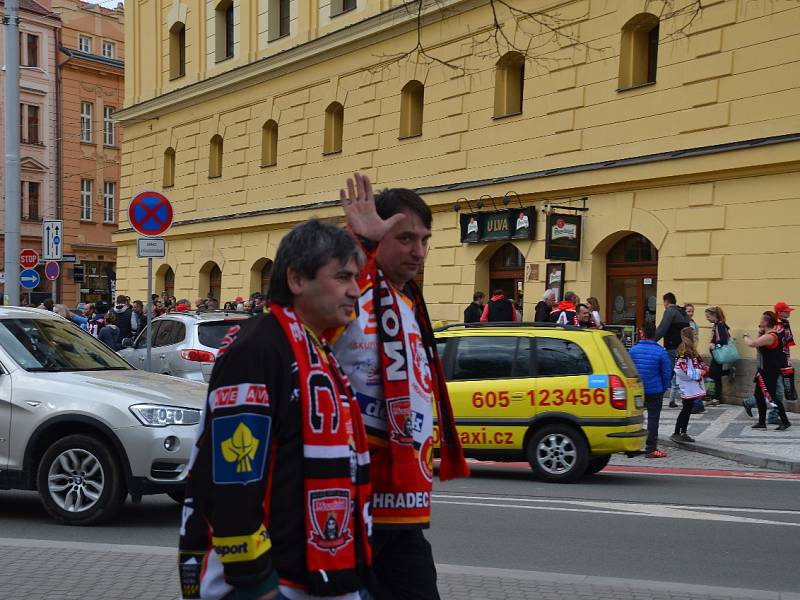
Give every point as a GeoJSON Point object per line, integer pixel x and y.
{"type": "Point", "coordinates": [584, 316]}
{"type": "Point", "coordinates": [124, 314]}
{"type": "Point", "coordinates": [138, 318]}
{"type": "Point", "coordinates": [655, 369]}
{"type": "Point", "coordinates": [277, 497]}
{"type": "Point", "coordinates": [389, 354]}
{"type": "Point", "coordinates": [472, 314]}
{"type": "Point", "coordinates": [566, 311]}
{"type": "Point", "coordinates": [499, 309]}
{"type": "Point", "coordinates": [674, 320]}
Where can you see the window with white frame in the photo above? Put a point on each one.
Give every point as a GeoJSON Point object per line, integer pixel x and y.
{"type": "Point", "coordinates": [85, 44]}
{"type": "Point", "coordinates": [86, 199]}
{"type": "Point", "coordinates": [109, 49]}
{"type": "Point", "coordinates": [109, 196]}
{"type": "Point", "coordinates": [109, 135]}
{"type": "Point", "coordinates": [86, 122]}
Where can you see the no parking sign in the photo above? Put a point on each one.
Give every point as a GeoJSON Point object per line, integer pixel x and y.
{"type": "Point", "coordinates": [150, 213]}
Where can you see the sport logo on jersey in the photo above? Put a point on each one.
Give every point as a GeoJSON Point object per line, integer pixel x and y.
{"type": "Point", "coordinates": [329, 511]}
{"type": "Point", "coordinates": [254, 394]}
{"type": "Point", "coordinates": [240, 445]}
{"type": "Point", "coordinates": [400, 420]}
{"type": "Point", "coordinates": [422, 369]}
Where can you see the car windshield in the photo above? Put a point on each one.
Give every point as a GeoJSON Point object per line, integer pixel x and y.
{"type": "Point", "coordinates": [53, 345]}
{"type": "Point", "coordinates": [211, 333]}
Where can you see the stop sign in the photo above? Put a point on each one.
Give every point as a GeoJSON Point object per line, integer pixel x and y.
{"type": "Point", "coordinates": [28, 258]}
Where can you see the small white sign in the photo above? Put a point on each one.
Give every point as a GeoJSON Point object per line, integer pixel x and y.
{"type": "Point", "coordinates": [648, 281]}
{"type": "Point", "coordinates": [52, 239]}
{"type": "Point", "coordinates": [151, 247]}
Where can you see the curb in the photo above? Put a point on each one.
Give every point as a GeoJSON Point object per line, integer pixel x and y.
{"type": "Point", "coordinates": [755, 459]}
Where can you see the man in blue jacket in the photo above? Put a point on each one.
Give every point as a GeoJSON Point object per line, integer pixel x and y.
{"type": "Point", "coordinates": [655, 369]}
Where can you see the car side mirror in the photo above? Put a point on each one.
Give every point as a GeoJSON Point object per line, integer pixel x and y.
{"type": "Point", "coordinates": [127, 343]}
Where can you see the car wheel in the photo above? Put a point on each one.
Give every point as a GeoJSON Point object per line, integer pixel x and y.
{"type": "Point", "coordinates": [597, 464]}
{"type": "Point", "coordinates": [80, 481]}
{"type": "Point", "coordinates": [557, 453]}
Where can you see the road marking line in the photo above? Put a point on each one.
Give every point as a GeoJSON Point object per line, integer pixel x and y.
{"type": "Point", "coordinates": [617, 508]}
{"type": "Point", "coordinates": [90, 546]}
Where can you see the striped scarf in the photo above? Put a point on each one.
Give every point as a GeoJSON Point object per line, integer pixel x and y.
{"type": "Point", "coordinates": [335, 465]}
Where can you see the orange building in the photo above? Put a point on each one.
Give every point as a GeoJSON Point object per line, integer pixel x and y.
{"type": "Point", "coordinates": [91, 74]}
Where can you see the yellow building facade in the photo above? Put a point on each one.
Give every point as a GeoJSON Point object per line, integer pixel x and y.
{"type": "Point", "coordinates": [677, 130]}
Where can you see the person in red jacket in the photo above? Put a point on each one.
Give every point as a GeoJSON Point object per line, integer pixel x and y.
{"type": "Point", "coordinates": [566, 312]}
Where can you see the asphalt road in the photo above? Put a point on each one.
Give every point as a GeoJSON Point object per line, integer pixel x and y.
{"type": "Point", "coordinates": [725, 530]}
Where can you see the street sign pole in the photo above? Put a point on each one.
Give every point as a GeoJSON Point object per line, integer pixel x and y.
{"type": "Point", "coordinates": [11, 178]}
{"type": "Point", "coordinates": [149, 310]}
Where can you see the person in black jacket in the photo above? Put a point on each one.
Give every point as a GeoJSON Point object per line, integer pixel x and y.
{"type": "Point", "coordinates": [541, 312]}
{"type": "Point", "coordinates": [673, 321]}
{"type": "Point", "coordinates": [124, 314]}
{"type": "Point", "coordinates": [499, 309]}
{"type": "Point", "coordinates": [720, 336]}
{"type": "Point", "coordinates": [472, 314]}
{"type": "Point", "coordinates": [277, 496]}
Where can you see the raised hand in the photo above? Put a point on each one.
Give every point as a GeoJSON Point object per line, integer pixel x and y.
{"type": "Point", "coordinates": [358, 203]}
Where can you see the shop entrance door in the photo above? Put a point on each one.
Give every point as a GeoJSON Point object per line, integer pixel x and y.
{"type": "Point", "coordinates": [632, 272]}
{"type": "Point", "coordinates": [507, 272]}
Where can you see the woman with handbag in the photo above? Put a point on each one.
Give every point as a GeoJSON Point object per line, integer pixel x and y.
{"type": "Point", "coordinates": [723, 350]}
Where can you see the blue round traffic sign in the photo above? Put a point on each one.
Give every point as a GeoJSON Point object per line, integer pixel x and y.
{"type": "Point", "coordinates": [52, 270]}
{"type": "Point", "coordinates": [150, 213]}
{"type": "Point", "coordinates": [29, 279]}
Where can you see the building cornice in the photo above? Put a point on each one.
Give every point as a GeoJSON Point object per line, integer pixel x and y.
{"type": "Point", "coordinates": [635, 161]}
{"type": "Point", "coordinates": [93, 58]}
{"type": "Point", "coordinates": [380, 27]}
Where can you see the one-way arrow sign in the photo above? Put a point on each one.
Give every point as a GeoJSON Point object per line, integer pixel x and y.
{"type": "Point", "coordinates": [52, 239]}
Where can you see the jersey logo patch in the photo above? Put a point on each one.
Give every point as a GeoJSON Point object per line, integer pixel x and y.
{"type": "Point", "coordinates": [400, 422]}
{"type": "Point", "coordinates": [240, 447]}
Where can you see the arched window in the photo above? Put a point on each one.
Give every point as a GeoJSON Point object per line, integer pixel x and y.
{"type": "Point", "coordinates": [165, 281]}
{"type": "Point", "coordinates": [177, 50]}
{"type": "Point", "coordinates": [638, 56]}
{"type": "Point", "coordinates": [508, 85]}
{"type": "Point", "coordinates": [412, 100]}
{"type": "Point", "coordinates": [223, 30]}
{"type": "Point", "coordinates": [169, 282]}
{"type": "Point", "coordinates": [279, 19]}
{"type": "Point", "coordinates": [168, 179]}
{"type": "Point", "coordinates": [215, 157]}
{"type": "Point", "coordinates": [506, 272]}
{"type": "Point", "coordinates": [334, 126]}
{"type": "Point", "coordinates": [260, 274]}
{"type": "Point", "coordinates": [269, 144]}
{"type": "Point", "coordinates": [210, 281]}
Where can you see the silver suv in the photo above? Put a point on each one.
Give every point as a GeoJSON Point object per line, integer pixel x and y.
{"type": "Point", "coordinates": [185, 344]}
{"type": "Point", "coordinates": [83, 427]}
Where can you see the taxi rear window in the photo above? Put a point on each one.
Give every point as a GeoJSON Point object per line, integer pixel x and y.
{"type": "Point", "coordinates": [621, 356]}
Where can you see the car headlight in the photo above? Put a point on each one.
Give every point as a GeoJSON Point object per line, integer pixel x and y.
{"type": "Point", "coordinates": [158, 415]}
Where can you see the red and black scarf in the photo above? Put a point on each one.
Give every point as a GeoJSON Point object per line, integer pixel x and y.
{"type": "Point", "coordinates": [405, 470]}
{"type": "Point", "coordinates": [335, 465]}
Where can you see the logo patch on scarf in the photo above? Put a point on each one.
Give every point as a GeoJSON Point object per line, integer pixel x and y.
{"type": "Point", "coordinates": [329, 511]}
{"type": "Point", "coordinates": [400, 420]}
{"type": "Point", "coordinates": [426, 459]}
{"type": "Point", "coordinates": [422, 370]}
{"type": "Point", "coordinates": [240, 447]}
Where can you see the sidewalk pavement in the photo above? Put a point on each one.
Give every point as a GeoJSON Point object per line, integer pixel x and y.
{"type": "Point", "coordinates": [725, 431]}
{"type": "Point", "coordinates": [54, 570]}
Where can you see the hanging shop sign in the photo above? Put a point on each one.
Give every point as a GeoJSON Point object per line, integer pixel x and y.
{"type": "Point", "coordinates": [510, 224]}
{"type": "Point", "coordinates": [563, 237]}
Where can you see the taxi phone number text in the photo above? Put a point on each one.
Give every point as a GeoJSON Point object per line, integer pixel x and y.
{"type": "Point", "coordinates": [555, 397]}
